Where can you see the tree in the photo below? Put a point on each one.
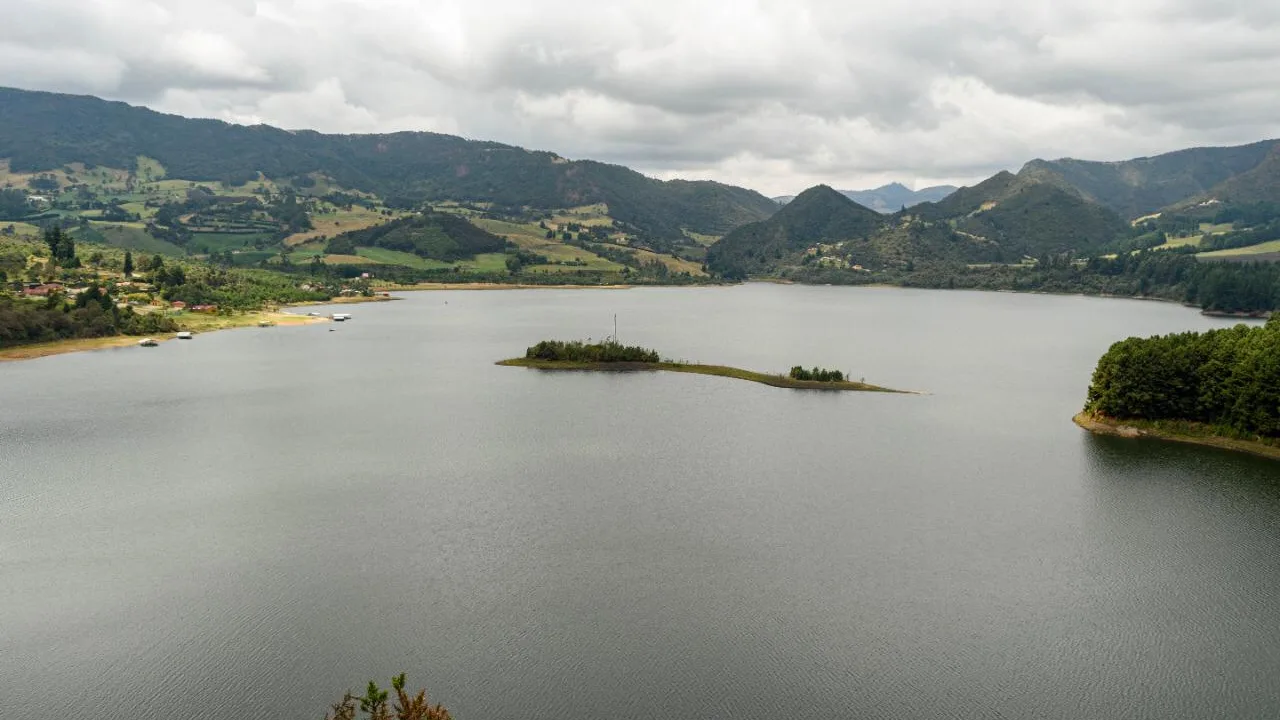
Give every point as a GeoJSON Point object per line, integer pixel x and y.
{"type": "Point", "coordinates": [128, 264]}
{"type": "Point", "coordinates": [61, 246]}
{"type": "Point", "coordinates": [374, 704]}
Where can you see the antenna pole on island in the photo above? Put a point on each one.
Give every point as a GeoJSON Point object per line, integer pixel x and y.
{"type": "Point", "coordinates": [615, 327]}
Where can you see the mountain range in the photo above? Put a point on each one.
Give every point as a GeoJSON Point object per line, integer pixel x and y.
{"type": "Point", "coordinates": [41, 131]}
{"type": "Point", "coordinates": [1048, 207]}
{"type": "Point", "coordinates": [888, 198]}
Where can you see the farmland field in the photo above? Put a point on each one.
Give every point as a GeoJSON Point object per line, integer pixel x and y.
{"type": "Point", "coordinates": [1265, 248]}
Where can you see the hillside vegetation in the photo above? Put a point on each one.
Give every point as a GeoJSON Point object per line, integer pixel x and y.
{"type": "Point", "coordinates": [1140, 186]}
{"type": "Point", "coordinates": [44, 131]}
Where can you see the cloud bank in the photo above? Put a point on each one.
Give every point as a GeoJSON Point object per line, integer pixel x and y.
{"type": "Point", "coordinates": [771, 95]}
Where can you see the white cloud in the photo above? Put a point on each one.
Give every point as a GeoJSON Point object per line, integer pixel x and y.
{"type": "Point", "coordinates": [771, 94]}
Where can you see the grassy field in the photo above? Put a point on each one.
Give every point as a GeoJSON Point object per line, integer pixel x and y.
{"type": "Point", "coordinates": [396, 257]}
{"type": "Point", "coordinates": [528, 236]}
{"type": "Point", "coordinates": [704, 240]}
{"type": "Point", "coordinates": [1216, 229]}
{"type": "Point", "coordinates": [781, 381]}
{"type": "Point", "coordinates": [217, 242]}
{"type": "Point", "coordinates": [340, 221]}
{"type": "Point", "coordinates": [23, 230]}
{"type": "Point", "coordinates": [126, 237]}
{"type": "Point", "coordinates": [204, 322]}
{"type": "Point", "coordinates": [673, 264]}
{"type": "Point", "coordinates": [1259, 249]}
{"type": "Point", "coordinates": [1177, 242]}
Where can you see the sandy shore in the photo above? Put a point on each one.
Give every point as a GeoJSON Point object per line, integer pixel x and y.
{"type": "Point", "coordinates": [193, 322]}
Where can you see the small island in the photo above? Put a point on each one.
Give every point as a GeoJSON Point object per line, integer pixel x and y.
{"type": "Point", "coordinates": [610, 356]}
{"type": "Point", "coordinates": [1219, 388]}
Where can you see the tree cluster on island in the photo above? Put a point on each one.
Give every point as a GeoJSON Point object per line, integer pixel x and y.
{"type": "Point", "coordinates": [816, 374]}
{"type": "Point", "coordinates": [577, 351]}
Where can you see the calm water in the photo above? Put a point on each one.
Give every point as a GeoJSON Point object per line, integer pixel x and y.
{"type": "Point", "coordinates": [245, 525]}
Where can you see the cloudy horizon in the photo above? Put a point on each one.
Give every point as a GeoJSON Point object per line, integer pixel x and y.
{"type": "Point", "coordinates": [775, 96]}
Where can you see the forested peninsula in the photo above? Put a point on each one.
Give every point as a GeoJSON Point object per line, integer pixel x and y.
{"type": "Point", "coordinates": [611, 356]}
{"type": "Point", "coordinates": [1220, 388]}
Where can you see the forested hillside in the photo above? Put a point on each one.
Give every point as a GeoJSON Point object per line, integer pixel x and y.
{"type": "Point", "coordinates": [44, 131]}
{"type": "Point", "coordinates": [817, 216]}
{"type": "Point", "coordinates": [1141, 186]}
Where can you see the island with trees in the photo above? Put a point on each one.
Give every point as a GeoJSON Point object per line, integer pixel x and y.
{"type": "Point", "coordinates": [612, 356]}
{"type": "Point", "coordinates": [1218, 388]}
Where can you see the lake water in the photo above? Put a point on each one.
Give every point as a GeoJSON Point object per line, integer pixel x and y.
{"type": "Point", "coordinates": [246, 525]}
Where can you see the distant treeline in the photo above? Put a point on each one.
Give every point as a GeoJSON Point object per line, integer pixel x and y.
{"type": "Point", "coordinates": [1241, 287]}
{"type": "Point", "coordinates": [578, 351]}
{"type": "Point", "coordinates": [92, 314]}
{"type": "Point", "coordinates": [1229, 379]}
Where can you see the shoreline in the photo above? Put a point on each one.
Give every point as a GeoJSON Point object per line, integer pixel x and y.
{"type": "Point", "coordinates": [780, 381]}
{"type": "Point", "coordinates": [1188, 433]}
{"type": "Point", "coordinates": [428, 287]}
{"type": "Point", "coordinates": [203, 324]}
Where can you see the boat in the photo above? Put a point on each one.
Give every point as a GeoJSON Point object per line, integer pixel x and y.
{"type": "Point", "coordinates": [185, 335]}
{"type": "Point", "coordinates": [340, 317]}
{"type": "Point", "coordinates": [148, 342]}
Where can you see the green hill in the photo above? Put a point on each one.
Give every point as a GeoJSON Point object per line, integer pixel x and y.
{"type": "Point", "coordinates": [819, 215]}
{"type": "Point", "coordinates": [43, 131]}
{"type": "Point", "coordinates": [432, 235]}
{"type": "Point", "coordinates": [1003, 219]}
{"type": "Point", "coordinates": [1141, 186]}
{"type": "Point", "coordinates": [1260, 184]}
{"type": "Point", "coordinates": [1025, 218]}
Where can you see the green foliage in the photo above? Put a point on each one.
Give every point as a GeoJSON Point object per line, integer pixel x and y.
{"type": "Point", "coordinates": [1225, 378]}
{"type": "Point", "coordinates": [578, 351]}
{"type": "Point", "coordinates": [239, 288]}
{"type": "Point", "coordinates": [374, 704]}
{"type": "Point", "coordinates": [818, 215]}
{"type": "Point", "coordinates": [14, 205]}
{"type": "Point", "coordinates": [817, 374]}
{"type": "Point", "coordinates": [128, 264]}
{"type": "Point", "coordinates": [1144, 185]}
{"type": "Point", "coordinates": [62, 247]}
{"type": "Point", "coordinates": [93, 314]}
{"type": "Point", "coordinates": [437, 236]}
{"type": "Point", "coordinates": [43, 130]}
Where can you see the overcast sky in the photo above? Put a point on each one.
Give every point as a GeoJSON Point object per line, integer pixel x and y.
{"type": "Point", "coordinates": [775, 96]}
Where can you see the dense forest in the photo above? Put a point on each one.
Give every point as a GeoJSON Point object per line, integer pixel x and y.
{"type": "Point", "coordinates": [1228, 379]}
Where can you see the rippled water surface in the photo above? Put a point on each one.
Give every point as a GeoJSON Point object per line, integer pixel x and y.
{"type": "Point", "coordinates": [245, 525]}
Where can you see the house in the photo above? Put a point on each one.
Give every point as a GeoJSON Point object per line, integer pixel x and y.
{"type": "Point", "coordinates": [211, 309]}
{"type": "Point", "coordinates": [41, 290]}
{"type": "Point", "coordinates": [178, 305]}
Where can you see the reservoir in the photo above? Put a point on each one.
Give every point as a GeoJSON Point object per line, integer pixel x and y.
{"type": "Point", "coordinates": [248, 524]}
